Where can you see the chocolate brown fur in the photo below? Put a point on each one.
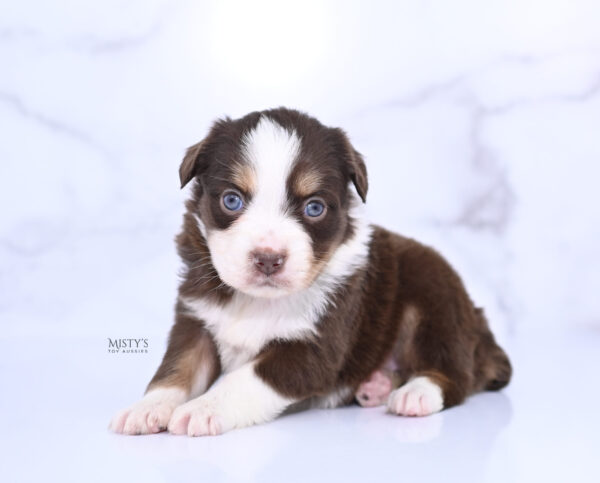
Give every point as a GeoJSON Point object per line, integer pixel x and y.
{"type": "Point", "coordinates": [451, 342]}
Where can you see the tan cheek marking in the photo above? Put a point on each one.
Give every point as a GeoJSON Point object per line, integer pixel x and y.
{"type": "Point", "coordinates": [244, 177]}
{"type": "Point", "coordinates": [307, 183]}
{"type": "Point", "coordinates": [318, 265]}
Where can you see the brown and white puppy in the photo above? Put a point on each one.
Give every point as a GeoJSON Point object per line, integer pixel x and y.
{"type": "Point", "coordinates": [292, 297]}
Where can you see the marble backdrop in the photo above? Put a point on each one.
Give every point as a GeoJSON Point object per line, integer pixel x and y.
{"type": "Point", "coordinates": [479, 121]}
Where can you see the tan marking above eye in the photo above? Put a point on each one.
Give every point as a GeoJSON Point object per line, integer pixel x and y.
{"type": "Point", "coordinates": [244, 177]}
{"type": "Point", "coordinates": [307, 182]}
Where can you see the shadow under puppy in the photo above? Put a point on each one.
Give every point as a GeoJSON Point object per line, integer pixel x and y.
{"type": "Point", "coordinates": [291, 296]}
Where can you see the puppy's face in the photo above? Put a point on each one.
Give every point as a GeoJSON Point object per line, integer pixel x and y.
{"type": "Point", "coordinates": [272, 198]}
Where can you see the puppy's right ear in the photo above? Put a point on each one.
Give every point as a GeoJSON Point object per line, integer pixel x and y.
{"type": "Point", "coordinates": [198, 157]}
{"type": "Point", "coordinates": [194, 157]}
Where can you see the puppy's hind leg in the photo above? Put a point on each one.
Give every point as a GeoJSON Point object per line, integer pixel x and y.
{"type": "Point", "coordinates": [189, 367]}
{"type": "Point", "coordinates": [437, 365]}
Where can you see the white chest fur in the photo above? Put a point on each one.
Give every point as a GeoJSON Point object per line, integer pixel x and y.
{"type": "Point", "coordinates": [245, 324]}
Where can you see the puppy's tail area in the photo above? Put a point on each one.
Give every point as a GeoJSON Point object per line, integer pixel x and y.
{"type": "Point", "coordinates": [501, 370]}
{"type": "Point", "coordinates": [494, 368]}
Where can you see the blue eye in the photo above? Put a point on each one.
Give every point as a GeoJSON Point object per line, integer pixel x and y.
{"type": "Point", "coordinates": [314, 209]}
{"type": "Point", "coordinates": [232, 201]}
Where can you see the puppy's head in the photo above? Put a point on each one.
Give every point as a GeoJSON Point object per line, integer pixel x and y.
{"type": "Point", "coordinates": [273, 196]}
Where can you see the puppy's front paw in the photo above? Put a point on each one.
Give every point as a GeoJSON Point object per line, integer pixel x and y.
{"type": "Point", "coordinates": [150, 415]}
{"type": "Point", "coordinates": [418, 397]}
{"type": "Point", "coordinates": [199, 417]}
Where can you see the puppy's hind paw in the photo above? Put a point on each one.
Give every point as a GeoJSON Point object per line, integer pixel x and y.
{"type": "Point", "coordinates": [418, 397]}
{"type": "Point", "coordinates": [375, 390]}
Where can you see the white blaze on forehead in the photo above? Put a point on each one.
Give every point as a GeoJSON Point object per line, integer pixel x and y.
{"type": "Point", "coordinates": [264, 225]}
{"type": "Point", "coordinates": [271, 150]}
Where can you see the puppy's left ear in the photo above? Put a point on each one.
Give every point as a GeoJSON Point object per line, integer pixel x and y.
{"type": "Point", "coordinates": [191, 161]}
{"type": "Point", "coordinates": [358, 173]}
{"type": "Point", "coordinates": [354, 163]}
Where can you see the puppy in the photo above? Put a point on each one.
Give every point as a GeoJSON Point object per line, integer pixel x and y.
{"type": "Point", "coordinates": [292, 297]}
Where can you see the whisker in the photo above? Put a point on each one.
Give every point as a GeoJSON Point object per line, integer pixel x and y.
{"type": "Point", "coordinates": [221, 285]}
{"type": "Point", "coordinates": [204, 282]}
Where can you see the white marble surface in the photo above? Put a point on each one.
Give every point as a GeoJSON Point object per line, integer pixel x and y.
{"type": "Point", "coordinates": [479, 122]}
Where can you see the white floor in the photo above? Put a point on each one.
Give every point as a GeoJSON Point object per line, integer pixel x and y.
{"type": "Point", "coordinates": [59, 394]}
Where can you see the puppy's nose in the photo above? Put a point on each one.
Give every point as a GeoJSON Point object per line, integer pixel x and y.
{"type": "Point", "coordinates": [268, 262]}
